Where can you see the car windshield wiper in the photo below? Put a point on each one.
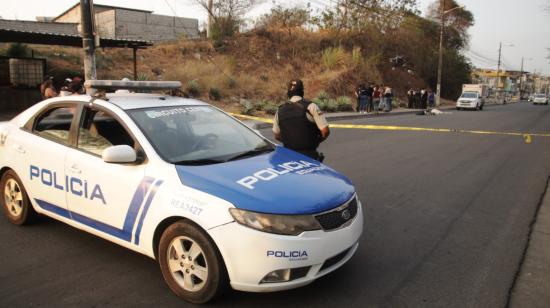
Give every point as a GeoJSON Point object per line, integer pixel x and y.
{"type": "Point", "coordinates": [199, 162]}
{"type": "Point", "coordinates": [253, 152]}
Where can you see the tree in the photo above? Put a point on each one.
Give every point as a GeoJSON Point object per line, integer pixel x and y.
{"type": "Point", "coordinates": [226, 15]}
{"type": "Point", "coordinates": [363, 15]}
{"type": "Point", "coordinates": [456, 22]}
{"type": "Point", "coordinates": [285, 18]}
{"type": "Point", "coordinates": [18, 50]}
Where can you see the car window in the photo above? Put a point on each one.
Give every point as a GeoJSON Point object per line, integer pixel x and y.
{"type": "Point", "coordinates": [56, 123]}
{"type": "Point", "coordinates": [99, 130]}
{"type": "Point", "coordinates": [194, 134]}
{"type": "Point", "coordinates": [469, 95]}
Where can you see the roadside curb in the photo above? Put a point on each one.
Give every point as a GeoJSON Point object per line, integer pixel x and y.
{"type": "Point", "coordinates": [531, 286]}
{"type": "Point", "coordinates": [334, 118]}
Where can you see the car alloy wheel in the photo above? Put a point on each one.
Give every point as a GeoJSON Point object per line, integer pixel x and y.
{"type": "Point", "coordinates": [191, 264]}
{"type": "Point", "coordinates": [13, 198]}
{"type": "Point", "coordinates": [187, 263]}
{"type": "Point", "coordinates": [15, 202]}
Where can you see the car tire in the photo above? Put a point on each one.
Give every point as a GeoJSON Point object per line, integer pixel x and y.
{"type": "Point", "coordinates": [481, 107]}
{"type": "Point", "coordinates": [15, 201]}
{"type": "Point", "coordinates": [457, 108]}
{"type": "Point", "coordinates": [191, 264]}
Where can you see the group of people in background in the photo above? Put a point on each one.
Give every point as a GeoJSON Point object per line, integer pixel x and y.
{"type": "Point", "coordinates": [420, 99]}
{"type": "Point", "coordinates": [373, 98]}
{"type": "Point", "coordinates": [71, 86]}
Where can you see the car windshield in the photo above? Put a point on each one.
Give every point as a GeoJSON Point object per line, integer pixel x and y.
{"type": "Point", "coordinates": [540, 96]}
{"type": "Point", "coordinates": [469, 95]}
{"type": "Point", "coordinates": [197, 135]}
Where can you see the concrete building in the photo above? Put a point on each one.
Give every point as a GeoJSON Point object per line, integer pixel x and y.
{"type": "Point", "coordinates": [503, 81]}
{"type": "Point", "coordinates": [128, 23]}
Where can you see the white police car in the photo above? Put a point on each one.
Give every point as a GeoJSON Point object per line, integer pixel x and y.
{"type": "Point", "coordinates": [182, 182]}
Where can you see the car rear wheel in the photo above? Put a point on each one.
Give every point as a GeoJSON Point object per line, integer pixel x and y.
{"type": "Point", "coordinates": [15, 201]}
{"type": "Point", "coordinates": [191, 264]}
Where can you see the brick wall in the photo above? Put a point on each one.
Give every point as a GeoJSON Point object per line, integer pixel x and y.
{"type": "Point", "coordinates": [152, 27]}
{"type": "Point", "coordinates": [105, 24]}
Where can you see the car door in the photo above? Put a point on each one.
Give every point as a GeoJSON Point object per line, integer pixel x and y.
{"type": "Point", "coordinates": [103, 196]}
{"type": "Point", "coordinates": [41, 149]}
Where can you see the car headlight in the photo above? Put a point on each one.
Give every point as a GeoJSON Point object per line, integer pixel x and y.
{"type": "Point", "coordinates": [278, 224]}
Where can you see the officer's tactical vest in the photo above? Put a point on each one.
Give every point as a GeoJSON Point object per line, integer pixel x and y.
{"type": "Point", "coordinates": [297, 132]}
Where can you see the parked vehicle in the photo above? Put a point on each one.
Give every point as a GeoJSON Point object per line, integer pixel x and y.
{"type": "Point", "coordinates": [180, 181]}
{"type": "Point", "coordinates": [473, 97]}
{"type": "Point", "coordinates": [540, 98]}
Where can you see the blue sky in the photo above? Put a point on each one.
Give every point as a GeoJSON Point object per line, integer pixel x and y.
{"type": "Point", "coordinates": [523, 24]}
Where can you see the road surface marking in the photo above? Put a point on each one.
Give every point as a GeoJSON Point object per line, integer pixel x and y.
{"type": "Point", "coordinates": [527, 137]}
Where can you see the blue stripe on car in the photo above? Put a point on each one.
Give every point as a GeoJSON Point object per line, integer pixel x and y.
{"type": "Point", "coordinates": [145, 209]}
{"type": "Point", "coordinates": [136, 204]}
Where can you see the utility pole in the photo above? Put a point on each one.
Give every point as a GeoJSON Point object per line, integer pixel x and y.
{"type": "Point", "coordinates": [88, 38]}
{"type": "Point", "coordinates": [521, 81]}
{"type": "Point", "coordinates": [498, 70]}
{"type": "Point", "coordinates": [440, 63]}
{"type": "Point", "coordinates": [210, 20]}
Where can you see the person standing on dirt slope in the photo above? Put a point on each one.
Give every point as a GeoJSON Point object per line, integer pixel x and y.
{"type": "Point", "coordinates": [299, 124]}
{"type": "Point", "coordinates": [410, 96]}
{"type": "Point", "coordinates": [388, 97]}
{"type": "Point", "coordinates": [431, 99]}
{"type": "Point", "coordinates": [370, 92]}
{"type": "Point", "coordinates": [424, 99]}
{"type": "Point", "coordinates": [376, 98]}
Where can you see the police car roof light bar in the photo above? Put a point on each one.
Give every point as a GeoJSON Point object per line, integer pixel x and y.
{"type": "Point", "coordinates": [132, 85]}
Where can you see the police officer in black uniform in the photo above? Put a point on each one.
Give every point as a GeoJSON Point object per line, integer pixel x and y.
{"type": "Point", "coordinates": [299, 124]}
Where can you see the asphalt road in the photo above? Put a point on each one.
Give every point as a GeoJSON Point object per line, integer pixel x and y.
{"type": "Point", "coordinates": [446, 223]}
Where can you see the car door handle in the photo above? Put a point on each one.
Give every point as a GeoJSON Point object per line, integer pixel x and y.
{"type": "Point", "coordinates": [19, 149]}
{"type": "Point", "coordinates": [74, 169]}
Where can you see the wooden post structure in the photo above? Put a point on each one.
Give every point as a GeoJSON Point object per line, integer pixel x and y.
{"type": "Point", "coordinates": [135, 63]}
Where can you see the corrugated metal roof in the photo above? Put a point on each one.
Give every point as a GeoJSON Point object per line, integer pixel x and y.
{"type": "Point", "coordinates": [63, 39]}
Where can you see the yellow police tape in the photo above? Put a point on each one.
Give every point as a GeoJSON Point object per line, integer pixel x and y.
{"type": "Point", "coordinates": [527, 137]}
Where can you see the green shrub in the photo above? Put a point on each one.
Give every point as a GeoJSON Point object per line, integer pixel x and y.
{"type": "Point", "coordinates": [323, 96]}
{"type": "Point", "coordinates": [356, 56]}
{"type": "Point", "coordinates": [215, 94]}
{"type": "Point", "coordinates": [396, 103]}
{"type": "Point", "coordinates": [18, 50]}
{"type": "Point", "coordinates": [271, 108]}
{"type": "Point", "coordinates": [247, 107]}
{"type": "Point", "coordinates": [231, 82]}
{"type": "Point", "coordinates": [343, 103]}
{"type": "Point", "coordinates": [333, 56]}
{"type": "Point", "coordinates": [142, 77]}
{"type": "Point", "coordinates": [193, 88]}
{"type": "Point", "coordinates": [331, 106]}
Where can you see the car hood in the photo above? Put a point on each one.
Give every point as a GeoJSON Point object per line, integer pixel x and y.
{"type": "Point", "coordinates": [279, 182]}
{"type": "Point", "coordinates": [467, 99]}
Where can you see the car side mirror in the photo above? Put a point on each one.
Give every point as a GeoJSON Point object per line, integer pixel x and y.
{"type": "Point", "coordinates": [119, 154]}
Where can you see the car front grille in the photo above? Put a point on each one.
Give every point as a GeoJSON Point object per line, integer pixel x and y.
{"type": "Point", "coordinates": [334, 219]}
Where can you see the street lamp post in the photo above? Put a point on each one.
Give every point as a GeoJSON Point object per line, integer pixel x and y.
{"type": "Point", "coordinates": [521, 78]}
{"type": "Point", "coordinates": [440, 60]}
{"type": "Point", "coordinates": [498, 69]}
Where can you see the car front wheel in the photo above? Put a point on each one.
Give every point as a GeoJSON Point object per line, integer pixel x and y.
{"type": "Point", "coordinates": [15, 201]}
{"type": "Point", "coordinates": [191, 264]}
